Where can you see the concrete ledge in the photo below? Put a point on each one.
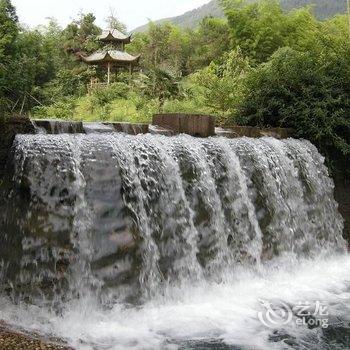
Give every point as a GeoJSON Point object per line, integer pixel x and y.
{"type": "Point", "coordinates": [191, 124]}
{"type": "Point", "coordinates": [255, 132]}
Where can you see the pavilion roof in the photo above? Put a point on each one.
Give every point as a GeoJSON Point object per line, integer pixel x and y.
{"type": "Point", "coordinates": [111, 56]}
{"type": "Point", "coordinates": [114, 35]}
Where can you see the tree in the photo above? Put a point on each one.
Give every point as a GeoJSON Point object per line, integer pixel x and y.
{"type": "Point", "coordinates": [302, 91]}
{"type": "Point", "coordinates": [220, 85]}
{"type": "Point", "coordinates": [8, 35]}
{"type": "Point", "coordinates": [80, 35]}
{"type": "Point", "coordinates": [209, 42]}
{"type": "Point", "coordinates": [114, 23]}
{"type": "Point", "coordinates": [261, 28]}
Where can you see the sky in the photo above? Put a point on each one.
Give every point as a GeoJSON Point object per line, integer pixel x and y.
{"type": "Point", "coordinates": [131, 12]}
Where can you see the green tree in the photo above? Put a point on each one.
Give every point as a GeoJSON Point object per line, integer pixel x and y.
{"type": "Point", "coordinates": [220, 85]}
{"type": "Point", "coordinates": [262, 27]}
{"type": "Point", "coordinates": [302, 91]}
{"type": "Point", "coordinates": [8, 35]}
{"type": "Point", "coordinates": [80, 35]}
{"type": "Point", "coordinates": [209, 42]}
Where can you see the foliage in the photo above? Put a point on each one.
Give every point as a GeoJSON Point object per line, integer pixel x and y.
{"type": "Point", "coordinates": [260, 28]}
{"type": "Point", "coordinates": [80, 35]}
{"type": "Point", "coordinates": [220, 85]}
{"type": "Point", "coordinates": [8, 35]}
{"type": "Point", "coordinates": [117, 102]}
{"type": "Point", "coordinates": [210, 41]}
{"type": "Point", "coordinates": [298, 90]}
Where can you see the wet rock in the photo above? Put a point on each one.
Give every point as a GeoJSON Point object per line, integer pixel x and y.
{"type": "Point", "coordinates": [130, 128]}
{"type": "Point", "coordinates": [8, 131]}
{"type": "Point", "coordinates": [59, 126]}
{"type": "Point", "coordinates": [342, 196]}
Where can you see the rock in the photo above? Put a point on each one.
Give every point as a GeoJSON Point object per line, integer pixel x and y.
{"type": "Point", "coordinates": [8, 131]}
{"type": "Point", "coordinates": [15, 340]}
{"type": "Point", "coordinates": [130, 128]}
{"type": "Point", "coordinates": [59, 126]}
{"type": "Point", "coordinates": [342, 196]}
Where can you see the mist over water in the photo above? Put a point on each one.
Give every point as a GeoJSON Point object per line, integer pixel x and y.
{"type": "Point", "coordinates": [152, 242]}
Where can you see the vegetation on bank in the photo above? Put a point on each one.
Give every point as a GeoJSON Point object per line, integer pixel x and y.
{"type": "Point", "coordinates": [258, 66]}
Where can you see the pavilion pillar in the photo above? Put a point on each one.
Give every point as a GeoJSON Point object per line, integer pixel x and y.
{"type": "Point", "coordinates": [108, 73]}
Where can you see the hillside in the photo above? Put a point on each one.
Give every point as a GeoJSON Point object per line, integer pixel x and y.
{"type": "Point", "coordinates": [191, 19]}
{"type": "Point", "coordinates": [323, 9]}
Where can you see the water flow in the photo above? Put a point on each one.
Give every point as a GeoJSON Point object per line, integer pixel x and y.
{"type": "Point", "coordinates": [168, 242]}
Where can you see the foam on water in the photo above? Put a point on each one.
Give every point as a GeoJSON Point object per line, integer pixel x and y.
{"type": "Point", "coordinates": [205, 313]}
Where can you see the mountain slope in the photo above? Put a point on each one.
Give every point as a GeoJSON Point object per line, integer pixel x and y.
{"type": "Point", "coordinates": [192, 18]}
{"type": "Point", "coordinates": [323, 9]}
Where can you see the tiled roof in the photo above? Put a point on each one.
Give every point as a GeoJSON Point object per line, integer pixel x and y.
{"type": "Point", "coordinates": [114, 35]}
{"type": "Point", "coordinates": [111, 56]}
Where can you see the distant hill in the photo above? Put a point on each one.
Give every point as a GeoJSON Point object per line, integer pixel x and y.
{"type": "Point", "coordinates": [323, 9]}
{"type": "Point", "coordinates": [192, 18]}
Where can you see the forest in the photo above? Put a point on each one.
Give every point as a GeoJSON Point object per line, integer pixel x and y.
{"type": "Point", "coordinates": [260, 65]}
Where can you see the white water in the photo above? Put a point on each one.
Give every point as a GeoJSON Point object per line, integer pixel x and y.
{"type": "Point", "coordinates": [153, 242]}
{"type": "Point", "coordinates": [201, 312]}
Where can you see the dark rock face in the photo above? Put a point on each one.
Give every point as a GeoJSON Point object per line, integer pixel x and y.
{"type": "Point", "coordinates": [8, 131]}
{"type": "Point", "coordinates": [59, 126]}
{"type": "Point", "coordinates": [48, 126]}
{"type": "Point", "coordinates": [191, 124]}
{"type": "Point", "coordinates": [342, 196]}
{"type": "Point", "coordinates": [130, 128]}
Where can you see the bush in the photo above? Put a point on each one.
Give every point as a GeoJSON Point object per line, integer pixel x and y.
{"type": "Point", "coordinates": [63, 109]}
{"type": "Point", "coordinates": [301, 91]}
{"type": "Point", "coordinates": [184, 106]}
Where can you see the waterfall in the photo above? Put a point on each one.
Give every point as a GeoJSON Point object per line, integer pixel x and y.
{"type": "Point", "coordinates": [117, 219]}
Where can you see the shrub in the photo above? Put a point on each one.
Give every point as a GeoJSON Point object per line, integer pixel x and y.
{"type": "Point", "coordinates": [298, 90]}
{"type": "Point", "coordinates": [63, 109]}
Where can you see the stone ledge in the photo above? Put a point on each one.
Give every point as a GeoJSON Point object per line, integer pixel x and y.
{"type": "Point", "coordinates": [254, 132]}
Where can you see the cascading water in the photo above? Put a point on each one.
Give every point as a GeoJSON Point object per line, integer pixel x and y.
{"type": "Point", "coordinates": [145, 242]}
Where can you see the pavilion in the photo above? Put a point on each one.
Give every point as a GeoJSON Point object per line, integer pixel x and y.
{"type": "Point", "coordinates": [113, 56]}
